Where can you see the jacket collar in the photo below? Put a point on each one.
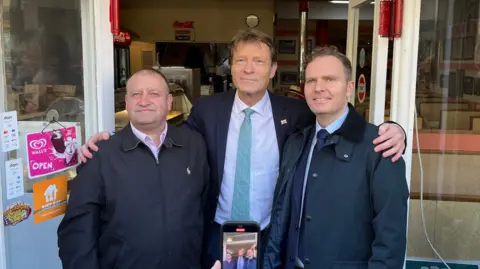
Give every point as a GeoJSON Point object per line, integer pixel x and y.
{"type": "Point", "coordinates": [130, 141]}
{"type": "Point", "coordinates": [352, 128]}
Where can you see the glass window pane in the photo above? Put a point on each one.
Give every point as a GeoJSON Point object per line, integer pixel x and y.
{"type": "Point", "coordinates": [42, 48]}
{"type": "Point", "coordinates": [448, 106]}
{"type": "Point", "coordinates": [42, 41]}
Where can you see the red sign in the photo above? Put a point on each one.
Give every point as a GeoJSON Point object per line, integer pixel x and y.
{"type": "Point", "coordinates": [123, 38]}
{"type": "Point", "coordinates": [362, 85]}
{"type": "Point", "coordinates": [184, 24]}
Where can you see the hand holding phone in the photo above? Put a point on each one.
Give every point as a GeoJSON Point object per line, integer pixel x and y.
{"type": "Point", "coordinates": [240, 242]}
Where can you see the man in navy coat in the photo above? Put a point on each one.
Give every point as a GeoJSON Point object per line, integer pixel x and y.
{"type": "Point", "coordinates": [245, 131]}
{"type": "Point", "coordinates": [339, 204]}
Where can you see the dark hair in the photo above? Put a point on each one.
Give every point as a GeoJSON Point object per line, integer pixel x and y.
{"type": "Point", "coordinates": [331, 51]}
{"type": "Point", "coordinates": [253, 36]}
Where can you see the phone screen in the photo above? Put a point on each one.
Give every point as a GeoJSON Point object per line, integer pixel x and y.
{"type": "Point", "coordinates": [240, 243]}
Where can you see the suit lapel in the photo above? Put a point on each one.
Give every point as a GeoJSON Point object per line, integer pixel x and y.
{"type": "Point", "coordinates": [223, 121]}
{"type": "Point", "coordinates": [281, 120]}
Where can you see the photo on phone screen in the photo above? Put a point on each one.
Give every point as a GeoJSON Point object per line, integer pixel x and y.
{"type": "Point", "coordinates": [240, 243]}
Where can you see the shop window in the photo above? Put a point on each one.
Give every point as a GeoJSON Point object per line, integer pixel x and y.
{"type": "Point", "coordinates": [42, 44]}
{"type": "Point", "coordinates": [448, 106]}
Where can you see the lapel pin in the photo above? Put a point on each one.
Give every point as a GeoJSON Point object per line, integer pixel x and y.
{"type": "Point", "coordinates": [283, 122]}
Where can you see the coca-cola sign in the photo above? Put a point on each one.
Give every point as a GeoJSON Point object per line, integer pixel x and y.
{"type": "Point", "coordinates": [183, 24]}
{"type": "Point", "coordinates": [122, 38]}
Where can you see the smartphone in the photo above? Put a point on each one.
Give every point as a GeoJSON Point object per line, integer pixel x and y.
{"type": "Point", "coordinates": [240, 241]}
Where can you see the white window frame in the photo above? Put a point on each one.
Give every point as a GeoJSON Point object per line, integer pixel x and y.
{"type": "Point", "coordinates": [404, 77]}
{"type": "Point", "coordinates": [98, 67]}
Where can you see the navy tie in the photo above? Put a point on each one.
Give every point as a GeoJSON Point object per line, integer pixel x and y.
{"type": "Point", "coordinates": [321, 138]}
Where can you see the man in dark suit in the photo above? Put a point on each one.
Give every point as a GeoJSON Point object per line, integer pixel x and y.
{"type": "Point", "coordinates": [245, 130]}
{"type": "Point", "coordinates": [339, 204]}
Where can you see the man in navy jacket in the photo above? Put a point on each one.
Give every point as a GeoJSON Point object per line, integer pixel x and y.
{"type": "Point", "coordinates": [339, 203]}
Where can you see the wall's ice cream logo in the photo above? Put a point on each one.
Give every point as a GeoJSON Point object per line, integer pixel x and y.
{"type": "Point", "coordinates": [38, 144]}
{"type": "Point", "coordinates": [16, 213]}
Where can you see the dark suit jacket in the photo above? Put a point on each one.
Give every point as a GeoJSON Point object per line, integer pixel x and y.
{"type": "Point", "coordinates": [210, 116]}
{"type": "Point", "coordinates": [355, 203]}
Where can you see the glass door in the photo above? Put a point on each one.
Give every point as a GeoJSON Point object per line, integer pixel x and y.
{"type": "Point", "coordinates": [368, 53]}
{"type": "Point", "coordinates": [45, 83]}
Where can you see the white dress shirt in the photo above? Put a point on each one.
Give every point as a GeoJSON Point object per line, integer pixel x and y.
{"type": "Point", "coordinates": [264, 162]}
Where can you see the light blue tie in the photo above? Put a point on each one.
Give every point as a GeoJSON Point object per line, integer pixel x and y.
{"type": "Point", "coordinates": [241, 191]}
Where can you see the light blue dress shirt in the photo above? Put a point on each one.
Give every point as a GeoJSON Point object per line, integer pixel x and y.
{"type": "Point", "coordinates": [264, 162]}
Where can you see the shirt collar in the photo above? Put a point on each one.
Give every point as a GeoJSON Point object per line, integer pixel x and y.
{"type": "Point", "coordinates": [262, 107]}
{"type": "Point", "coordinates": [145, 138]}
{"type": "Point", "coordinates": [335, 125]}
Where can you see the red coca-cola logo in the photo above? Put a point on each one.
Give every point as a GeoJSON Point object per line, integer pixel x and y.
{"type": "Point", "coordinates": [184, 24]}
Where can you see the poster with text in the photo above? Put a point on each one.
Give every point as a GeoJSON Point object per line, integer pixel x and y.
{"type": "Point", "coordinates": [49, 199]}
{"type": "Point", "coordinates": [50, 152]}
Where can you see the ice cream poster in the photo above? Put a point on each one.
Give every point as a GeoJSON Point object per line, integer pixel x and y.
{"type": "Point", "coordinates": [50, 152]}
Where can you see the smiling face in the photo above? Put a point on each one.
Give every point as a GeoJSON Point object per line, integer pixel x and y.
{"type": "Point", "coordinates": [148, 100]}
{"type": "Point", "coordinates": [327, 88]}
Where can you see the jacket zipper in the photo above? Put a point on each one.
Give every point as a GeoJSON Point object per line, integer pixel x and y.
{"type": "Point", "coordinates": [156, 157]}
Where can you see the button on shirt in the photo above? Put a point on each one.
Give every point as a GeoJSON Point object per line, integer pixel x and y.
{"type": "Point", "coordinates": [264, 162]}
{"type": "Point", "coordinates": [148, 141]}
{"type": "Point", "coordinates": [335, 125]}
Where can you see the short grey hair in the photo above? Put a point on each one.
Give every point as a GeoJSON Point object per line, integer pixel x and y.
{"type": "Point", "coordinates": [153, 72]}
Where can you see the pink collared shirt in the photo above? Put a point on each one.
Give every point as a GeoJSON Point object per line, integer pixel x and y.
{"type": "Point", "coordinates": [149, 141]}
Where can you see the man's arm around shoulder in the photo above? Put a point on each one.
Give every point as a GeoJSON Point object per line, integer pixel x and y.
{"type": "Point", "coordinates": [389, 193]}
{"type": "Point", "coordinates": [193, 120]}
{"type": "Point", "coordinates": [78, 232]}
